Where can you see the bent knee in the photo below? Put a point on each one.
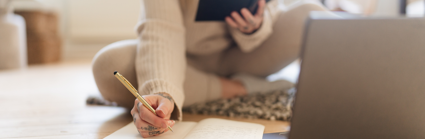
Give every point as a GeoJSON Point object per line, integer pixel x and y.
{"type": "Point", "coordinates": [118, 51]}
{"type": "Point", "coordinates": [114, 56]}
{"type": "Point", "coordinates": [119, 56]}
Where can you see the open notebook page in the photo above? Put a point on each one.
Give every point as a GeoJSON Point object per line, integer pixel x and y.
{"type": "Point", "coordinates": [130, 132]}
{"type": "Point", "coordinates": [225, 129]}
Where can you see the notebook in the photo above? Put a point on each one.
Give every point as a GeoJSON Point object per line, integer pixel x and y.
{"type": "Point", "coordinates": [217, 10]}
{"type": "Point", "coordinates": [211, 128]}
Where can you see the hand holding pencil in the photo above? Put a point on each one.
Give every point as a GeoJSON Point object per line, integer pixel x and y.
{"type": "Point", "coordinates": [151, 113]}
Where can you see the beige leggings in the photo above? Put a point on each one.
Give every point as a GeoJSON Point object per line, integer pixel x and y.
{"type": "Point", "coordinates": [201, 80]}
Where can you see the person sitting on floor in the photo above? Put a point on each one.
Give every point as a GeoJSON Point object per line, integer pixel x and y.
{"type": "Point", "coordinates": [177, 61]}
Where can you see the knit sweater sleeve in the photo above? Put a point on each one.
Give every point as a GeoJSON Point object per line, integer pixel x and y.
{"type": "Point", "coordinates": [160, 61]}
{"type": "Point", "coordinates": [248, 42]}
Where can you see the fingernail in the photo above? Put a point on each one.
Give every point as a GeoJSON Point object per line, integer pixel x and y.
{"type": "Point", "coordinates": [170, 122]}
{"type": "Point", "coordinates": [162, 112]}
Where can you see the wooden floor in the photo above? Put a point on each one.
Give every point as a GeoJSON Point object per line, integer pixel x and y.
{"type": "Point", "coordinates": [48, 101]}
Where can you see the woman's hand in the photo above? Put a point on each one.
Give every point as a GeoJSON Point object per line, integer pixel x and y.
{"type": "Point", "coordinates": [249, 23]}
{"type": "Point", "coordinates": [149, 124]}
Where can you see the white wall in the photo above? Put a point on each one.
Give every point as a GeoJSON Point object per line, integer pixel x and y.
{"type": "Point", "coordinates": [91, 20]}
{"type": "Point", "coordinates": [100, 20]}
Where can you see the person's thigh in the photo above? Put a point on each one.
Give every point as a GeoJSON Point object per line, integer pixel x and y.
{"type": "Point", "coordinates": [199, 86]}
{"type": "Point", "coordinates": [279, 50]}
{"type": "Point", "coordinates": [119, 56]}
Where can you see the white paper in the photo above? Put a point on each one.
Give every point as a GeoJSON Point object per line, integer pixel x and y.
{"type": "Point", "coordinates": [130, 132]}
{"type": "Point", "coordinates": [225, 129]}
{"type": "Point", "coordinates": [211, 128]}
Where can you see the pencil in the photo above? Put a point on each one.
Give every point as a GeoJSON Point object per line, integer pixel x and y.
{"type": "Point", "coordinates": [133, 90]}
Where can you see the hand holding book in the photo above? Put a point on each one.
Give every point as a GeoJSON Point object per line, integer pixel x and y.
{"type": "Point", "coordinates": [248, 23]}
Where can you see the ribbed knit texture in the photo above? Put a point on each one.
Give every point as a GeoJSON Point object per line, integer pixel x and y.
{"type": "Point", "coordinates": [167, 31]}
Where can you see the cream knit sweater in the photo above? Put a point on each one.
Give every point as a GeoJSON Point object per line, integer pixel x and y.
{"type": "Point", "coordinates": [167, 31]}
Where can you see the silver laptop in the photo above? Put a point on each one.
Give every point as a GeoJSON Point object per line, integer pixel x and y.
{"type": "Point", "coordinates": [361, 78]}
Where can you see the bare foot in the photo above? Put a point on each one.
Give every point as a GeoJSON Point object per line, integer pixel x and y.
{"type": "Point", "coordinates": [231, 88]}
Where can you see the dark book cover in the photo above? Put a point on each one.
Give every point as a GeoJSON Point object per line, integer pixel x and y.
{"type": "Point", "coordinates": [217, 10]}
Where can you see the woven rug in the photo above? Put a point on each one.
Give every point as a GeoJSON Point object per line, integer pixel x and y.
{"type": "Point", "coordinates": [271, 106]}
